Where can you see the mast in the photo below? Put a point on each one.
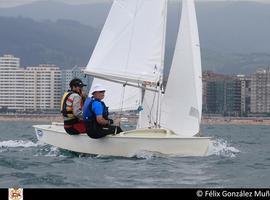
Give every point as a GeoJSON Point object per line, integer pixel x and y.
{"type": "Point", "coordinates": [160, 82]}
{"type": "Point", "coordinates": [139, 123]}
{"type": "Point", "coordinates": [158, 113]}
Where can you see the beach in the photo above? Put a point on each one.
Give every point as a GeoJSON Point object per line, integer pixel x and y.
{"type": "Point", "coordinates": [49, 118]}
{"type": "Point", "coordinates": [236, 120]}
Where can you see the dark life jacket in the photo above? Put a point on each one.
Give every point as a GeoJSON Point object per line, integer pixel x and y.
{"type": "Point", "coordinates": [67, 111]}
{"type": "Point", "coordinates": [89, 114]}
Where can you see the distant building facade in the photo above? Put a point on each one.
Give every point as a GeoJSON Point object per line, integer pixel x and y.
{"type": "Point", "coordinates": [11, 83]}
{"type": "Point", "coordinates": [28, 89]}
{"type": "Point", "coordinates": [239, 95]}
{"type": "Point", "coordinates": [9, 62]}
{"type": "Point", "coordinates": [40, 88]}
{"type": "Point", "coordinates": [43, 88]}
{"type": "Point", "coordinates": [75, 72]}
{"type": "Point", "coordinates": [222, 94]}
{"type": "Point", "coordinates": [245, 94]}
{"type": "Point", "coordinates": [260, 91]}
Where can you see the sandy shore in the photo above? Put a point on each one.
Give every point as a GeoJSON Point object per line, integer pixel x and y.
{"type": "Point", "coordinates": [238, 121]}
{"type": "Point", "coordinates": [51, 118]}
{"type": "Point", "coordinates": [209, 121]}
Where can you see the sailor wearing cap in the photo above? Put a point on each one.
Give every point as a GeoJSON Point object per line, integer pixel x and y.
{"type": "Point", "coordinates": [71, 108]}
{"type": "Point", "coordinates": [96, 115]}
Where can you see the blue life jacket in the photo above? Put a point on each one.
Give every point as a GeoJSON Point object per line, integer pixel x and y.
{"type": "Point", "coordinates": [89, 114]}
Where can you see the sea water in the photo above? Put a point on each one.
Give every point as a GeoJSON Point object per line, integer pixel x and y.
{"type": "Point", "coordinates": [239, 156]}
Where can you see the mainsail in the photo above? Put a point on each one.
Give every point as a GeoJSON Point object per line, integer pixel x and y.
{"type": "Point", "coordinates": [129, 51]}
{"type": "Point", "coordinates": [129, 47]}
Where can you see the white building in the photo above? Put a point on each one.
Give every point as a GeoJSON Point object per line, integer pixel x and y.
{"type": "Point", "coordinates": [260, 91]}
{"type": "Point", "coordinates": [9, 62]}
{"type": "Point", "coordinates": [42, 88]}
{"type": "Point", "coordinates": [28, 89]}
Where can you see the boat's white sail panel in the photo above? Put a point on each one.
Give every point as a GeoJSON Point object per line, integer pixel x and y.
{"type": "Point", "coordinates": [129, 47]}
{"type": "Point", "coordinates": [181, 106]}
{"type": "Point", "coordinates": [148, 114]}
{"type": "Point", "coordinates": [119, 98]}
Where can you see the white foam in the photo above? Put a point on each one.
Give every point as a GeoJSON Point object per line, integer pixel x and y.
{"type": "Point", "coordinates": [17, 143]}
{"type": "Point", "coordinates": [144, 154]}
{"type": "Point", "coordinates": [148, 154]}
{"type": "Point", "coordinates": [53, 151]}
{"type": "Point", "coordinates": [221, 147]}
{"type": "Point", "coordinates": [49, 151]}
{"type": "Point", "coordinates": [140, 154]}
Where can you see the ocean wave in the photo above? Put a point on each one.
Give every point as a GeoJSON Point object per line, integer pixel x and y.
{"type": "Point", "coordinates": [138, 155]}
{"type": "Point", "coordinates": [145, 155]}
{"type": "Point", "coordinates": [50, 151]}
{"type": "Point", "coordinates": [221, 147]}
{"type": "Point", "coordinates": [218, 147]}
{"type": "Point", "coordinates": [53, 152]}
{"type": "Point", "coordinates": [18, 143]}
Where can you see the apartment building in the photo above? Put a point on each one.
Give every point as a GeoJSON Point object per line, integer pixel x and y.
{"type": "Point", "coordinates": [260, 91]}
{"type": "Point", "coordinates": [42, 88]}
{"type": "Point", "coordinates": [28, 89]}
{"type": "Point", "coordinates": [11, 84]}
{"type": "Point", "coordinates": [245, 94]}
{"type": "Point", "coordinates": [222, 94]}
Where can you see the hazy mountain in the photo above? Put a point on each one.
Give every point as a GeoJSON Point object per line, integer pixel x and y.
{"type": "Point", "coordinates": [65, 43]}
{"type": "Point", "coordinates": [88, 14]}
{"type": "Point", "coordinates": [234, 35]}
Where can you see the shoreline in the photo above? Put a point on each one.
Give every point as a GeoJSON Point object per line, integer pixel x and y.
{"type": "Point", "coordinates": [205, 120]}
{"type": "Point", "coordinates": [45, 118]}
{"type": "Point", "coordinates": [236, 121]}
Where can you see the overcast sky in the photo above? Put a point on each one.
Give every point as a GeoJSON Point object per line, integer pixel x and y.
{"type": "Point", "coordinates": [11, 3]}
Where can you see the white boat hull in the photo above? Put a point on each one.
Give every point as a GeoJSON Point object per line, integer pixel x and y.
{"type": "Point", "coordinates": [125, 144]}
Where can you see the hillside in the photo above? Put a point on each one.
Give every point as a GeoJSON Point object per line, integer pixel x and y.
{"type": "Point", "coordinates": [234, 35]}
{"type": "Point", "coordinates": [65, 43]}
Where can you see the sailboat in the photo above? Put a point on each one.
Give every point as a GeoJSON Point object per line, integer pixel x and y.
{"type": "Point", "coordinates": [129, 61]}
